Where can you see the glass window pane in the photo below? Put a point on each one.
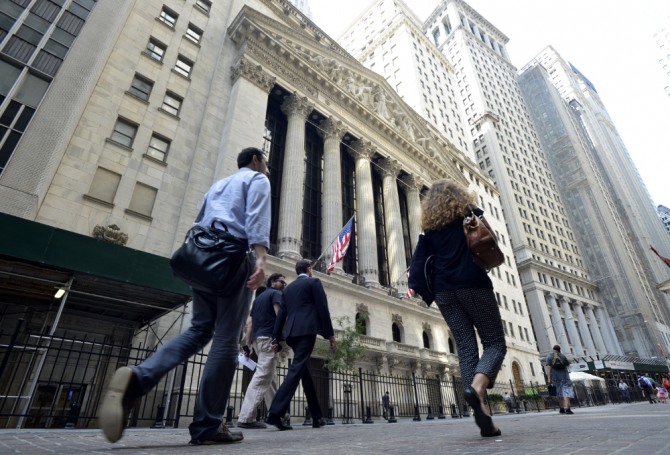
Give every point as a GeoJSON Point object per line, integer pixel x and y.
{"type": "Point", "coordinates": [9, 114]}
{"type": "Point", "coordinates": [32, 90]}
{"type": "Point", "coordinates": [29, 35]}
{"type": "Point", "coordinates": [78, 11]}
{"type": "Point", "coordinates": [104, 185]}
{"type": "Point", "coordinates": [143, 199]}
{"type": "Point", "coordinates": [8, 76]}
{"type": "Point", "coordinates": [62, 37]}
{"type": "Point", "coordinates": [36, 23]}
{"type": "Point", "coordinates": [56, 49]}
{"type": "Point", "coordinates": [24, 118]}
{"type": "Point", "coordinates": [8, 148]}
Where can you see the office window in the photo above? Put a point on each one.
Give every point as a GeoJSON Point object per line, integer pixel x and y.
{"type": "Point", "coordinates": [194, 33]}
{"type": "Point", "coordinates": [141, 87]}
{"type": "Point", "coordinates": [158, 147]}
{"type": "Point", "coordinates": [172, 103]}
{"type": "Point", "coordinates": [124, 132]}
{"type": "Point", "coordinates": [183, 66]}
{"type": "Point", "coordinates": [168, 17]}
{"type": "Point", "coordinates": [143, 199]}
{"type": "Point", "coordinates": [204, 5]}
{"type": "Point", "coordinates": [155, 49]}
{"type": "Point", "coordinates": [104, 185]}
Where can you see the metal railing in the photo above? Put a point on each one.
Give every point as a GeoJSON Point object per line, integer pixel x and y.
{"type": "Point", "coordinates": [66, 392]}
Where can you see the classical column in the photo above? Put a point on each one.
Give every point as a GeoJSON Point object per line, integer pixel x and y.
{"type": "Point", "coordinates": [395, 244]}
{"type": "Point", "coordinates": [610, 337]}
{"type": "Point", "coordinates": [331, 201]}
{"type": "Point", "coordinates": [584, 329]}
{"type": "Point", "coordinates": [558, 323]}
{"type": "Point", "coordinates": [596, 331]}
{"type": "Point", "coordinates": [365, 214]}
{"type": "Point", "coordinates": [544, 332]}
{"type": "Point", "coordinates": [289, 233]}
{"type": "Point", "coordinates": [412, 188]}
{"type": "Point", "coordinates": [572, 329]}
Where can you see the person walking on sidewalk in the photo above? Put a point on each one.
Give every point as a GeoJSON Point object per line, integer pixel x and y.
{"type": "Point", "coordinates": [464, 295]}
{"type": "Point", "coordinates": [559, 376]}
{"type": "Point", "coordinates": [242, 202]}
{"type": "Point", "coordinates": [647, 386]}
{"type": "Point", "coordinates": [258, 335]}
{"type": "Point", "coordinates": [625, 393]}
{"type": "Point", "coordinates": [303, 314]}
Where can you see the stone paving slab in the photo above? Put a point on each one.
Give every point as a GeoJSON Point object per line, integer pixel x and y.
{"type": "Point", "coordinates": [638, 428]}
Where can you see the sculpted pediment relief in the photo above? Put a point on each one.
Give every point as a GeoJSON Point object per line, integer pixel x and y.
{"type": "Point", "coordinates": [328, 68]}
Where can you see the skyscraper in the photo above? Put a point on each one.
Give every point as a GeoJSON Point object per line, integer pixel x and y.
{"type": "Point", "coordinates": [563, 300]}
{"type": "Point", "coordinates": [610, 210]}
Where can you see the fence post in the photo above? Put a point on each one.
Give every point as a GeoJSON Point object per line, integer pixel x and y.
{"type": "Point", "coordinates": [73, 416]}
{"type": "Point", "coordinates": [180, 399]}
{"type": "Point", "coordinates": [417, 416]}
{"type": "Point", "coordinates": [368, 415]}
{"type": "Point", "coordinates": [360, 384]}
{"type": "Point", "coordinates": [392, 418]}
{"type": "Point", "coordinates": [429, 416]}
{"type": "Point", "coordinates": [454, 413]}
{"type": "Point", "coordinates": [229, 415]}
{"type": "Point", "coordinates": [440, 413]}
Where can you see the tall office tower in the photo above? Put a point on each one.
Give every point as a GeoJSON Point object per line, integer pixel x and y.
{"type": "Point", "coordinates": [563, 301]}
{"type": "Point", "coordinates": [664, 213]}
{"type": "Point", "coordinates": [389, 39]}
{"type": "Point", "coordinates": [663, 41]}
{"type": "Point", "coordinates": [609, 207]}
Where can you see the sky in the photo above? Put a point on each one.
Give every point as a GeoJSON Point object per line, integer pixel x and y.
{"type": "Point", "coordinates": [611, 42]}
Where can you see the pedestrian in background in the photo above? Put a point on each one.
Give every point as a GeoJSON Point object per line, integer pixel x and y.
{"type": "Point", "coordinates": [647, 386]}
{"type": "Point", "coordinates": [258, 339]}
{"type": "Point", "coordinates": [242, 202]}
{"type": "Point", "coordinates": [386, 402]}
{"type": "Point", "coordinates": [559, 376]}
{"type": "Point", "coordinates": [625, 393]}
{"type": "Point", "coordinates": [464, 295]}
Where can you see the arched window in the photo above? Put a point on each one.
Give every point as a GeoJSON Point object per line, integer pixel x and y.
{"type": "Point", "coordinates": [395, 329]}
{"type": "Point", "coordinates": [452, 349]}
{"type": "Point", "coordinates": [361, 324]}
{"type": "Point", "coordinates": [426, 340]}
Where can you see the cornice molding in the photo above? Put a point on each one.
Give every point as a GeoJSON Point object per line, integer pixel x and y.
{"type": "Point", "coordinates": [253, 73]}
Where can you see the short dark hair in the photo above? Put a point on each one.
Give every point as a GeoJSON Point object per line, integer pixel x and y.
{"type": "Point", "coordinates": [557, 348]}
{"type": "Point", "coordinates": [246, 155]}
{"type": "Point", "coordinates": [273, 277]}
{"type": "Point", "coordinates": [302, 265]}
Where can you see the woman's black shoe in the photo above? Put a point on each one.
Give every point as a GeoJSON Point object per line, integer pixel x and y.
{"type": "Point", "coordinates": [483, 421]}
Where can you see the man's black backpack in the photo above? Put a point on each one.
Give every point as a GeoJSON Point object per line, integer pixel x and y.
{"type": "Point", "coordinates": [557, 361]}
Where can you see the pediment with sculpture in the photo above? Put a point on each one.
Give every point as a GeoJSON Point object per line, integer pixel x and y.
{"type": "Point", "coordinates": [320, 67]}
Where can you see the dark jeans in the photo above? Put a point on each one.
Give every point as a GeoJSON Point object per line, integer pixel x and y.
{"type": "Point", "coordinates": [220, 319]}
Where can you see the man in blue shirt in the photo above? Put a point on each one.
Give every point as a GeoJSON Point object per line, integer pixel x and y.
{"type": "Point", "coordinates": [242, 201]}
{"type": "Point", "coordinates": [259, 330]}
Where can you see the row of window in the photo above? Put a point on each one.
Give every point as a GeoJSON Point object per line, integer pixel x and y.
{"type": "Point", "coordinates": [105, 185]}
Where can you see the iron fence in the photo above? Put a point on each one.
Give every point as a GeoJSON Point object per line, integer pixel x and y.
{"type": "Point", "coordinates": [58, 382]}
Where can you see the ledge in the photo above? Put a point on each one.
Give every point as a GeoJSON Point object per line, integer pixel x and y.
{"type": "Point", "coordinates": [118, 144]}
{"type": "Point", "coordinates": [139, 215]}
{"type": "Point", "coordinates": [98, 201]}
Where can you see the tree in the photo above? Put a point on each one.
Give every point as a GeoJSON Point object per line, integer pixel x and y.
{"type": "Point", "coordinates": [349, 348]}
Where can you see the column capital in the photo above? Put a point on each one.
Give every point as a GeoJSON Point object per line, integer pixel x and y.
{"type": "Point", "coordinates": [332, 129]}
{"type": "Point", "coordinates": [362, 149]}
{"type": "Point", "coordinates": [389, 167]}
{"type": "Point", "coordinates": [253, 73]}
{"type": "Point", "coordinates": [413, 182]}
{"type": "Point", "coordinates": [296, 105]}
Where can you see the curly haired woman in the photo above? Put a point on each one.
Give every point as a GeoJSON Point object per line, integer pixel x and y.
{"type": "Point", "coordinates": [464, 294]}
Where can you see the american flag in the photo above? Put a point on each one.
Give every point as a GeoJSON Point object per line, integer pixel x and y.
{"type": "Point", "coordinates": [340, 245]}
{"type": "Point", "coordinates": [410, 292]}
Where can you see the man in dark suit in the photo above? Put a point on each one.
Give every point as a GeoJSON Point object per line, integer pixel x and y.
{"type": "Point", "coordinates": [303, 314]}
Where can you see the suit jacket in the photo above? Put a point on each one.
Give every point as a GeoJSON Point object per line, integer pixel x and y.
{"type": "Point", "coordinates": [304, 310]}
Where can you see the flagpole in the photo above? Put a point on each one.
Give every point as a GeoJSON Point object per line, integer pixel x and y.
{"type": "Point", "coordinates": [331, 242]}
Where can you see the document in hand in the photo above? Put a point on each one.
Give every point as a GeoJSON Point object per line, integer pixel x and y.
{"type": "Point", "coordinates": [246, 361]}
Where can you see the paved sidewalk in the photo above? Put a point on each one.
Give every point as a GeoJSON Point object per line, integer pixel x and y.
{"type": "Point", "coordinates": [638, 428]}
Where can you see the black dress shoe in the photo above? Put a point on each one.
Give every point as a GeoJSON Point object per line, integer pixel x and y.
{"type": "Point", "coordinates": [318, 423]}
{"type": "Point", "coordinates": [483, 421]}
{"type": "Point", "coordinates": [272, 419]}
